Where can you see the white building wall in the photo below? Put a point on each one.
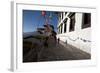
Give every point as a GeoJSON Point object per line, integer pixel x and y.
{"type": "Point", "coordinates": [80, 38]}
{"type": "Point", "coordinates": [78, 23]}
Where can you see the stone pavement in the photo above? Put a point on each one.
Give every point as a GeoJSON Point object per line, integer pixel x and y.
{"type": "Point", "coordinates": [62, 52]}
{"type": "Point", "coordinates": [58, 52]}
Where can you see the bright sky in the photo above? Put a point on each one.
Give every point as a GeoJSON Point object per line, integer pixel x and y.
{"type": "Point", "coordinates": [33, 19]}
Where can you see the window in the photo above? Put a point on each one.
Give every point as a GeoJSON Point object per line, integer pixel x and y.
{"type": "Point", "coordinates": [72, 22]}
{"type": "Point", "coordinates": [65, 13]}
{"type": "Point", "coordinates": [86, 21]}
{"type": "Point", "coordinates": [61, 28]}
{"type": "Point", "coordinates": [65, 24]}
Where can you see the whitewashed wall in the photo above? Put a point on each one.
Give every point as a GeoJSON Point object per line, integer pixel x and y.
{"type": "Point", "coordinates": [78, 36]}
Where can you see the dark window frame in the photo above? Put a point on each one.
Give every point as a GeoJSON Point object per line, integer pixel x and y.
{"type": "Point", "coordinates": [61, 28]}
{"type": "Point", "coordinates": [66, 13]}
{"type": "Point", "coordinates": [86, 20]}
{"type": "Point", "coordinates": [65, 25]}
{"type": "Point", "coordinates": [72, 22]}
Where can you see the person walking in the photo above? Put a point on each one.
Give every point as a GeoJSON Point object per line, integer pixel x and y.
{"type": "Point", "coordinates": [58, 40]}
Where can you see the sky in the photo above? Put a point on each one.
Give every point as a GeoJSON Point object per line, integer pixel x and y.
{"type": "Point", "coordinates": [33, 19]}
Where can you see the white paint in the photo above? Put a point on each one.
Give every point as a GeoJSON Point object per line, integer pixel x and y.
{"type": "Point", "coordinates": [77, 33]}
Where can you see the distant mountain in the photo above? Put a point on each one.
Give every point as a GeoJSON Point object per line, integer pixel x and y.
{"type": "Point", "coordinates": [28, 34]}
{"type": "Point", "coordinates": [33, 34]}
